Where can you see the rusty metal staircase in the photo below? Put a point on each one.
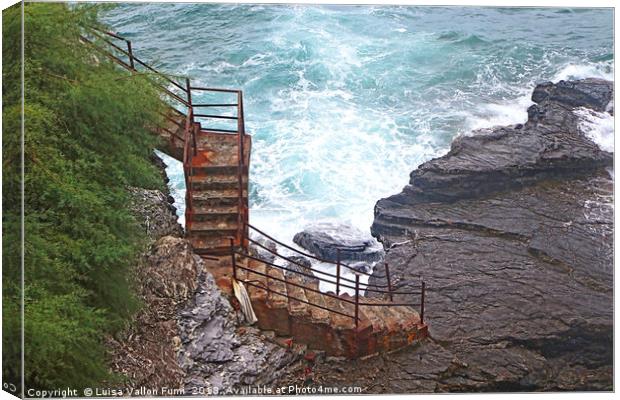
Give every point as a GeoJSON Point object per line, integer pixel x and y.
{"type": "Point", "coordinates": [215, 157]}
{"type": "Point", "coordinates": [213, 185]}
{"type": "Point", "coordinates": [285, 294]}
{"type": "Point", "coordinates": [216, 174]}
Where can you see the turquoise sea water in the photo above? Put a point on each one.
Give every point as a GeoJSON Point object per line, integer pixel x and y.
{"type": "Point", "coordinates": [343, 102]}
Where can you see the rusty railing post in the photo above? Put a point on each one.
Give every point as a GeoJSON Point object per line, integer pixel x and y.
{"type": "Point", "coordinates": [234, 259]}
{"type": "Point", "coordinates": [190, 113]}
{"type": "Point", "coordinates": [187, 169]}
{"type": "Point", "coordinates": [337, 272]}
{"type": "Point", "coordinates": [188, 88]}
{"type": "Point", "coordinates": [357, 300]}
{"type": "Point", "coordinates": [130, 52]}
{"type": "Point", "coordinates": [389, 281]}
{"type": "Point", "coordinates": [422, 302]}
{"type": "Point", "coordinates": [193, 129]}
{"type": "Point", "coordinates": [241, 209]}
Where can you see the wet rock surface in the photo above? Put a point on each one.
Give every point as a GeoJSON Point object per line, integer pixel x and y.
{"type": "Point", "coordinates": [263, 249]}
{"type": "Point", "coordinates": [217, 351]}
{"type": "Point", "coordinates": [512, 231]}
{"type": "Point", "coordinates": [303, 266]}
{"type": "Point", "coordinates": [325, 239]}
{"type": "Point", "coordinates": [550, 145]}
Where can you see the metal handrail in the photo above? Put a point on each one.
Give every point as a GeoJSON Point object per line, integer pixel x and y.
{"type": "Point", "coordinates": [242, 210]}
{"type": "Point", "coordinates": [289, 270]}
{"type": "Point", "coordinates": [129, 53]}
{"type": "Point", "coordinates": [368, 286]}
{"type": "Point", "coordinates": [275, 253]}
{"type": "Point", "coordinates": [215, 105]}
{"type": "Point", "coordinates": [222, 130]}
{"type": "Point", "coordinates": [215, 116]}
{"type": "Point", "coordinates": [284, 280]}
{"type": "Point", "coordinates": [131, 65]}
{"type": "Point", "coordinates": [356, 303]}
{"type": "Point", "coordinates": [287, 295]}
{"type": "Point", "coordinates": [207, 89]}
{"type": "Point", "coordinates": [187, 165]}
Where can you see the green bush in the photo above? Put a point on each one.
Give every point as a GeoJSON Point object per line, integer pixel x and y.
{"type": "Point", "coordinates": [85, 141]}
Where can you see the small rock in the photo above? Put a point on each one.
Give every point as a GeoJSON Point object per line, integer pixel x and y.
{"type": "Point", "coordinates": [300, 264]}
{"type": "Point", "coordinates": [260, 252]}
{"type": "Point", "coordinates": [325, 239]}
{"type": "Point", "coordinates": [361, 267]}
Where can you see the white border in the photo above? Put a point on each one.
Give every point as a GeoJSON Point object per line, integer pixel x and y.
{"type": "Point", "coordinates": [511, 3]}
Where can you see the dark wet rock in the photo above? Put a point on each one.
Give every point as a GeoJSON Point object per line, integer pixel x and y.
{"type": "Point", "coordinates": [156, 214]}
{"type": "Point", "coordinates": [325, 239]}
{"type": "Point", "coordinates": [361, 266]}
{"type": "Point", "coordinates": [302, 265]}
{"type": "Point", "coordinates": [591, 93]}
{"type": "Point", "coordinates": [216, 350]}
{"type": "Point", "coordinates": [301, 261]}
{"type": "Point", "coordinates": [549, 146]}
{"type": "Point", "coordinates": [512, 231]}
{"type": "Point", "coordinates": [264, 249]}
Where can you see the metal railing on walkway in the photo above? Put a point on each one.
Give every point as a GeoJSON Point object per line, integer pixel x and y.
{"type": "Point", "coordinates": [181, 105]}
{"type": "Point", "coordinates": [295, 268]}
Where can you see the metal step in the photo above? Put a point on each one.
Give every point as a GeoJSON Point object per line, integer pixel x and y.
{"type": "Point", "coordinates": [217, 201]}
{"type": "Point", "coordinates": [218, 170]}
{"type": "Point", "coordinates": [215, 210]}
{"type": "Point", "coordinates": [209, 226]}
{"type": "Point", "coordinates": [203, 243]}
{"type": "Point", "coordinates": [228, 218]}
{"type": "Point", "coordinates": [217, 193]}
{"type": "Point", "coordinates": [200, 186]}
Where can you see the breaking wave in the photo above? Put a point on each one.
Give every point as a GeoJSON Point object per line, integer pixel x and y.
{"type": "Point", "coordinates": [341, 112]}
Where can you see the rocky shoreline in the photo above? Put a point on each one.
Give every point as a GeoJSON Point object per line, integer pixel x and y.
{"type": "Point", "coordinates": [512, 231]}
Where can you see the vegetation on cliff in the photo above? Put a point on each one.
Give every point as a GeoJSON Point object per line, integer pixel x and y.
{"type": "Point", "coordinates": [85, 142]}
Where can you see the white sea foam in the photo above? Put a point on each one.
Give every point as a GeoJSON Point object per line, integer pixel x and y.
{"type": "Point", "coordinates": [508, 112]}
{"type": "Point", "coordinates": [603, 70]}
{"type": "Point", "coordinates": [598, 126]}
{"type": "Point", "coordinates": [514, 110]}
{"type": "Point", "coordinates": [332, 161]}
{"type": "Point", "coordinates": [176, 175]}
